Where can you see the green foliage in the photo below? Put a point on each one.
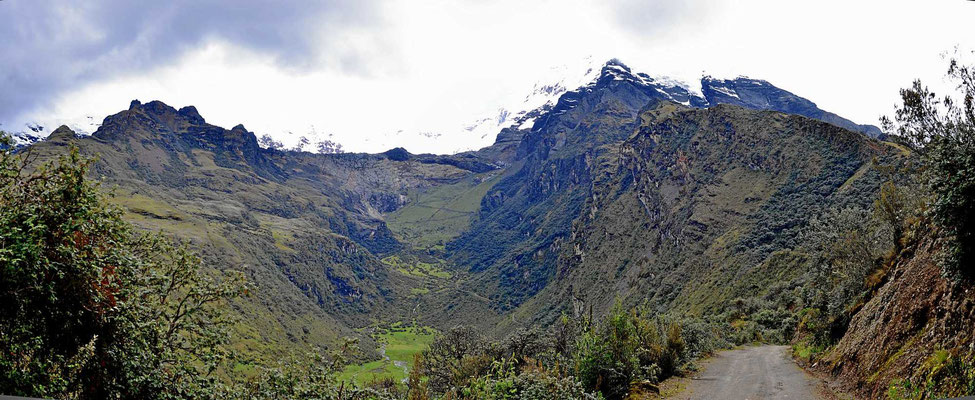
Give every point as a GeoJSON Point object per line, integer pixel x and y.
{"type": "Point", "coordinates": [398, 345]}
{"type": "Point", "coordinates": [805, 351]}
{"type": "Point", "coordinates": [755, 320]}
{"type": "Point", "coordinates": [417, 388]}
{"type": "Point", "coordinates": [96, 310]}
{"type": "Point", "coordinates": [533, 382]}
{"type": "Point", "coordinates": [846, 248]}
{"type": "Point", "coordinates": [847, 245]}
{"type": "Point", "coordinates": [897, 207]}
{"type": "Point", "coordinates": [627, 348]}
{"type": "Point", "coordinates": [455, 357]}
{"type": "Point", "coordinates": [845, 252]}
{"type": "Point", "coordinates": [313, 376]}
{"type": "Point", "coordinates": [626, 353]}
{"type": "Point", "coordinates": [944, 375]}
{"type": "Point", "coordinates": [942, 131]}
{"type": "Point", "coordinates": [92, 309]}
{"type": "Point", "coordinates": [412, 266]}
{"type": "Point", "coordinates": [434, 216]}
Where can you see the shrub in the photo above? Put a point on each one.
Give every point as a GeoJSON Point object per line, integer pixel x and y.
{"type": "Point", "coordinates": [92, 309]}
{"type": "Point", "coordinates": [942, 131]}
{"type": "Point", "coordinates": [533, 381]}
{"type": "Point", "coordinates": [944, 375]}
{"type": "Point", "coordinates": [627, 348]}
{"type": "Point", "coordinates": [455, 357]}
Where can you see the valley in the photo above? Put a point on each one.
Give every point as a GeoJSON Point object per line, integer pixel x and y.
{"type": "Point", "coordinates": [608, 240]}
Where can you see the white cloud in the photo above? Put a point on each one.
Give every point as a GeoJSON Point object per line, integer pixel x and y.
{"type": "Point", "coordinates": [435, 65]}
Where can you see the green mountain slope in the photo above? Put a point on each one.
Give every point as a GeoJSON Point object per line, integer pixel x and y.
{"type": "Point", "coordinates": [306, 228]}
{"type": "Point", "coordinates": [703, 206]}
{"type": "Point", "coordinates": [615, 191]}
{"type": "Point", "coordinates": [621, 193]}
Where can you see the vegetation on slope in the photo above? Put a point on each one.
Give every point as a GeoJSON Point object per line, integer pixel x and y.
{"type": "Point", "coordinates": [634, 234]}
{"type": "Point", "coordinates": [698, 208]}
{"type": "Point", "coordinates": [94, 309]}
{"type": "Point", "coordinates": [913, 338]}
{"type": "Point", "coordinates": [434, 216]}
{"type": "Point", "coordinates": [306, 229]}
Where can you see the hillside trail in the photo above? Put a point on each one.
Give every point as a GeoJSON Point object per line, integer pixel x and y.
{"type": "Point", "coordinates": [759, 372]}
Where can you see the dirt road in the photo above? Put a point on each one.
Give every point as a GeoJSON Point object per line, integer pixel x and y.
{"type": "Point", "coordinates": [761, 372]}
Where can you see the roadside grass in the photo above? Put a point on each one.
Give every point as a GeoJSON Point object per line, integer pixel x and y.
{"type": "Point", "coordinates": [805, 351]}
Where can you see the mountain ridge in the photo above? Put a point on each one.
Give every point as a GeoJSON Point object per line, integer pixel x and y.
{"type": "Point", "coordinates": [755, 93]}
{"type": "Point", "coordinates": [306, 228]}
{"type": "Point", "coordinates": [340, 241]}
{"type": "Point", "coordinates": [523, 235]}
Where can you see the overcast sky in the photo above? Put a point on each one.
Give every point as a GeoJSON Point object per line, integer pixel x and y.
{"type": "Point", "coordinates": [362, 71]}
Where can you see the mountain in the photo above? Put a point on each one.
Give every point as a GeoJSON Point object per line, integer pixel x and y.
{"type": "Point", "coordinates": [32, 132]}
{"type": "Point", "coordinates": [306, 228]}
{"type": "Point", "coordinates": [761, 95]}
{"type": "Point", "coordinates": [741, 91]}
{"type": "Point", "coordinates": [654, 190]}
{"type": "Point", "coordinates": [545, 92]}
{"type": "Point", "coordinates": [628, 188]}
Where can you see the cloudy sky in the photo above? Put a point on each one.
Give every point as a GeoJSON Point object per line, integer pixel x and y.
{"type": "Point", "coordinates": [389, 73]}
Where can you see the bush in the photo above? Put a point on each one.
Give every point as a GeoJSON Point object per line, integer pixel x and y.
{"type": "Point", "coordinates": [312, 376]}
{"type": "Point", "coordinates": [533, 381]}
{"type": "Point", "coordinates": [92, 309]}
{"type": "Point", "coordinates": [942, 131]}
{"type": "Point", "coordinates": [944, 375]}
{"type": "Point", "coordinates": [455, 357]}
{"type": "Point", "coordinates": [625, 353]}
{"type": "Point", "coordinates": [627, 348]}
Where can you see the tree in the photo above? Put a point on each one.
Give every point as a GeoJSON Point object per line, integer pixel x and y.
{"type": "Point", "coordinates": [310, 376]}
{"type": "Point", "coordinates": [455, 357]}
{"type": "Point", "coordinates": [93, 309]}
{"type": "Point", "coordinates": [942, 131]}
{"type": "Point", "coordinates": [628, 350]}
{"type": "Point", "coordinates": [417, 387]}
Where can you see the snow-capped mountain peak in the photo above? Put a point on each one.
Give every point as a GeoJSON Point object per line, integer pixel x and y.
{"type": "Point", "coordinates": [554, 92]}
{"type": "Point", "coordinates": [544, 94]}
{"type": "Point", "coordinates": [34, 131]}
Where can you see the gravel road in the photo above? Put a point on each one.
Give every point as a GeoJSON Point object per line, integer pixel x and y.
{"type": "Point", "coordinates": [761, 372]}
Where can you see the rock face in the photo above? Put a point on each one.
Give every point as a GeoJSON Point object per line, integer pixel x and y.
{"type": "Point", "coordinates": [913, 316]}
{"type": "Point", "coordinates": [62, 134]}
{"type": "Point", "coordinates": [160, 126]}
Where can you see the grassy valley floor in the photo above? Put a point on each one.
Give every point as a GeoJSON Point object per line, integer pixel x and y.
{"type": "Point", "coordinates": [397, 345]}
